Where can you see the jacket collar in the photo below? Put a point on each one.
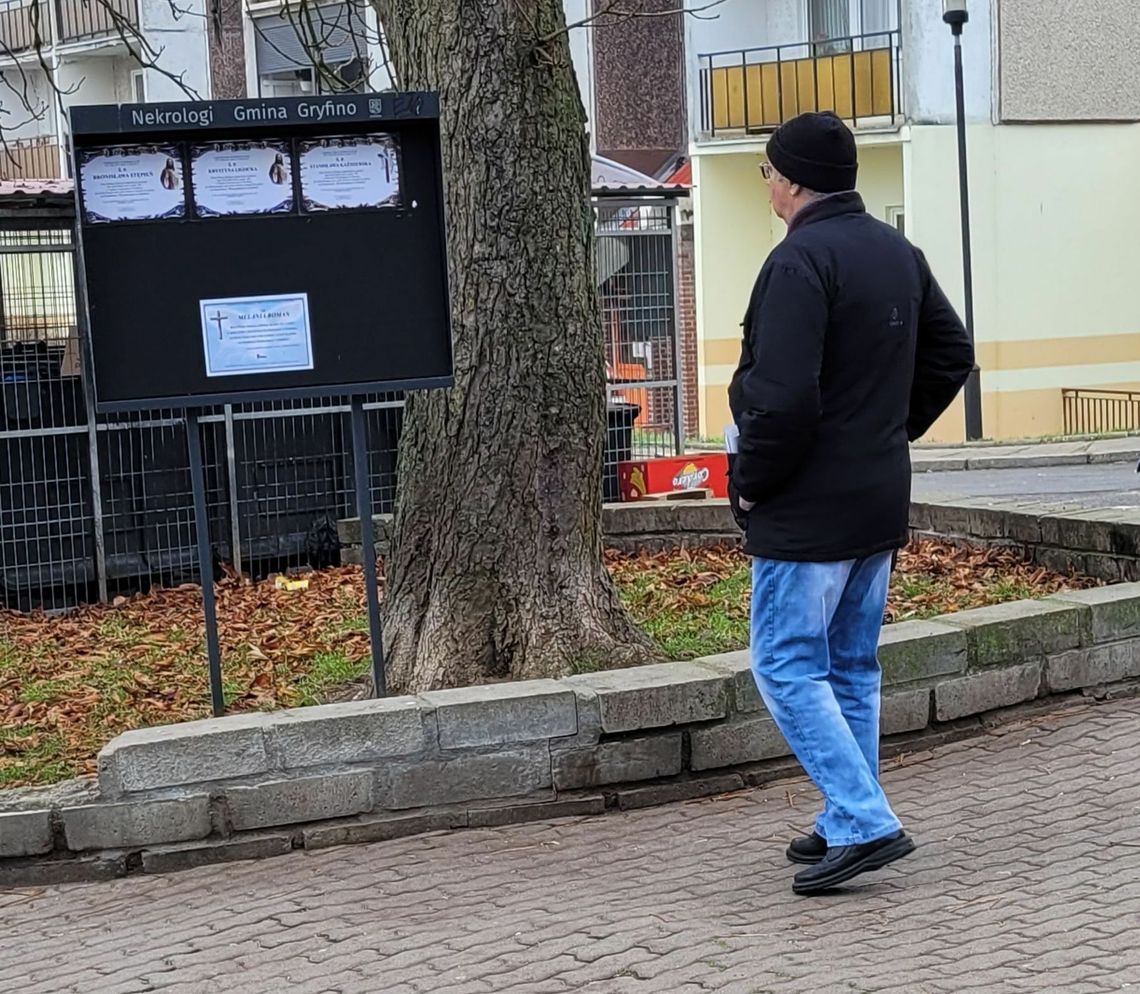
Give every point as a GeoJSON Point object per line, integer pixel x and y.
{"type": "Point", "coordinates": [828, 206]}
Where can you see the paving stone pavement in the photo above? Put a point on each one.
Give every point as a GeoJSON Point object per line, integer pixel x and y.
{"type": "Point", "coordinates": [1027, 879]}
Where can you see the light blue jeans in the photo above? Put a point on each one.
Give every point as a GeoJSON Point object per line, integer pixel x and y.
{"type": "Point", "coordinates": [815, 640]}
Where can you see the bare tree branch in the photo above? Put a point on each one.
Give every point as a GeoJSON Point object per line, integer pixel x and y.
{"type": "Point", "coordinates": [617, 11]}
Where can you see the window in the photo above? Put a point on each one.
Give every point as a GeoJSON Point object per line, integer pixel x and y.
{"type": "Point", "coordinates": [834, 24]}
{"type": "Point", "coordinates": [287, 83]}
{"type": "Point", "coordinates": [138, 87]}
{"type": "Point", "coordinates": [829, 23]}
{"type": "Point", "coordinates": [285, 63]}
{"type": "Point", "coordinates": [896, 216]}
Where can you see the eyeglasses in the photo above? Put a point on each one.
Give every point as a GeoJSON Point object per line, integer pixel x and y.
{"type": "Point", "coordinates": [766, 170]}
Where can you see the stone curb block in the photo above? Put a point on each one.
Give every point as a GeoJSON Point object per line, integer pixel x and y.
{"type": "Point", "coordinates": [938, 465]}
{"type": "Point", "coordinates": [1079, 531]}
{"type": "Point", "coordinates": [130, 824]}
{"type": "Point", "coordinates": [177, 755]}
{"type": "Point", "coordinates": [621, 761]}
{"type": "Point", "coordinates": [904, 711]}
{"type": "Point", "coordinates": [737, 668]}
{"type": "Point", "coordinates": [520, 814]}
{"type": "Point", "coordinates": [656, 696]}
{"type": "Point", "coordinates": [986, 691]}
{"type": "Point", "coordinates": [300, 799]}
{"type": "Point", "coordinates": [735, 743]}
{"type": "Point", "coordinates": [52, 873]}
{"type": "Point", "coordinates": [1019, 630]}
{"type": "Point", "coordinates": [381, 828]}
{"type": "Point", "coordinates": [685, 790]}
{"type": "Point", "coordinates": [1115, 611]}
{"type": "Point", "coordinates": [910, 651]}
{"type": "Point", "coordinates": [1029, 461]}
{"type": "Point", "coordinates": [25, 833]}
{"type": "Point", "coordinates": [188, 856]}
{"type": "Point", "coordinates": [472, 777]}
{"type": "Point", "coordinates": [354, 732]}
{"type": "Point", "coordinates": [502, 713]}
{"type": "Point", "coordinates": [1093, 667]}
{"type": "Point", "coordinates": [975, 519]}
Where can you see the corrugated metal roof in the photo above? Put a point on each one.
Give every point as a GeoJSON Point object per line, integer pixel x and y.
{"type": "Point", "coordinates": [47, 189]}
{"type": "Point", "coordinates": [611, 177]}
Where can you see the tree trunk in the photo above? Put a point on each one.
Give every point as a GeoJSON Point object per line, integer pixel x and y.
{"type": "Point", "coordinates": [497, 569]}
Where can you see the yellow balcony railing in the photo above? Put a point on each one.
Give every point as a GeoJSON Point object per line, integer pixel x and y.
{"type": "Point", "coordinates": [29, 159]}
{"type": "Point", "coordinates": [758, 89]}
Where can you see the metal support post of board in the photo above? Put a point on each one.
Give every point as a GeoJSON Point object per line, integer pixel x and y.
{"type": "Point", "coordinates": [368, 542]}
{"type": "Point", "coordinates": [205, 560]}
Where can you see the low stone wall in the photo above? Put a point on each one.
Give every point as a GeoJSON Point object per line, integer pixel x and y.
{"type": "Point", "coordinates": [264, 784]}
{"type": "Point", "coordinates": [1102, 542]}
{"type": "Point", "coordinates": [648, 525]}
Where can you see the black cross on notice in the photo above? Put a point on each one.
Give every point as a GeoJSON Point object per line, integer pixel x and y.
{"type": "Point", "coordinates": [219, 318]}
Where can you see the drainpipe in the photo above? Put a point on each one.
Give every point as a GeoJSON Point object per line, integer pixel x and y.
{"type": "Point", "coordinates": [57, 98]}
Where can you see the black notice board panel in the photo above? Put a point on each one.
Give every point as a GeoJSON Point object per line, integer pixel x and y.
{"type": "Point", "coordinates": [373, 278]}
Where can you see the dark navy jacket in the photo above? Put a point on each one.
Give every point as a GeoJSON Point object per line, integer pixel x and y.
{"type": "Point", "coordinates": [851, 350]}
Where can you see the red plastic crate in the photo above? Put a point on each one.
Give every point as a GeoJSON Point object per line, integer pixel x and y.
{"type": "Point", "coordinates": [707, 471]}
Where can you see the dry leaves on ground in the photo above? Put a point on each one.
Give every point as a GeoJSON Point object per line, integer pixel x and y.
{"type": "Point", "coordinates": [70, 683]}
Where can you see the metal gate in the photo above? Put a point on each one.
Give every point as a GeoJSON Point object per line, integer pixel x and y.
{"type": "Point", "coordinates": [637, 296]}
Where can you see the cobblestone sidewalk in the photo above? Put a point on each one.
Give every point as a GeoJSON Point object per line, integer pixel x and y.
{"type": "Point", "coordinates": [1027, 879]}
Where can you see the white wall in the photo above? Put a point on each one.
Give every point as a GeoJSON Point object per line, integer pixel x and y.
{"type": "Point", "coordinates": [92, 78]}
{"type": "Point", "coordinates": [582, 54]}
{"type": "Point", "coordinates": [18, 119]}
{"type": "Point", "coordinates": [183, 41]}
{"type": "Point", "coordinates": [928, 62]}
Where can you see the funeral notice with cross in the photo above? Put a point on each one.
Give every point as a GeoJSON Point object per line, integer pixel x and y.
{"type": "Point", "coordinates": [247, 335]}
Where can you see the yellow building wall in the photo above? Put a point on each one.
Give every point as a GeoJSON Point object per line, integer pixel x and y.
{"type": "Point", "coordinates": [1055, 214]}
{"type": "Point", "coordinates": [734, 230]}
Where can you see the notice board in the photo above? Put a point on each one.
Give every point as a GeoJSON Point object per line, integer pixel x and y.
{"type": "Point", "coordinates": [245, 250]}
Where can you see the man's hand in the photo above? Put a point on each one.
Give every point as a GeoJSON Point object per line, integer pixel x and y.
{"type": "Point", "coordinates": [740, 506]}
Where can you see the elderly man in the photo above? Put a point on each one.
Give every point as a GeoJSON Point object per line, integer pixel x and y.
{"type": "Point", "coordinates": [850, 352]}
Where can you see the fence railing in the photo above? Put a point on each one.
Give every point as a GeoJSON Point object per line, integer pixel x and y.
{"type": "Point", "coordinates": [29, 158]}
{"type": "Point", "coordinates": [1096, 412]}
{"type": "Point", "coordinates": [94, 506]}
{"type": "Point", "coordinates": [758, 89]}
{"type": "Point", "coordinates": [27, 27]}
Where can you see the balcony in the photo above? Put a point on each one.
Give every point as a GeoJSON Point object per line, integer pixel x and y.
{"type": "Point", "coordinates": [754, 90]}
{"type": "Point", "coordinates": [23, 159]}
{"type": "Point", "coordinates": [28, 26]}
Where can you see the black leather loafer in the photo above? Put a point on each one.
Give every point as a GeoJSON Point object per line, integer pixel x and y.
{"type": "Point", "coordinates": [808, 849]}
{"type": "Point", "coordinates": [843, 863]}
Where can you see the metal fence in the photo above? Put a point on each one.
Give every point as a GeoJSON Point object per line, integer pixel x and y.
{"type": "Point", "coordinates": [637, 295]}
{"type": "Point", "coordinates": [92, 507]}
{"type": "Point", "coordinates": [31, 26]}
{"type": "Point", "coordinates": [1098, 412]}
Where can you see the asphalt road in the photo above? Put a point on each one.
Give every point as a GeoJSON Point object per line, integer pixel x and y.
{"type": "Point", "coordinates": [1107, 485]}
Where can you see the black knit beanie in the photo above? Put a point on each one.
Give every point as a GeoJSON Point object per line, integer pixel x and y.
{"type": "Point", "coordinates": [816, 151]}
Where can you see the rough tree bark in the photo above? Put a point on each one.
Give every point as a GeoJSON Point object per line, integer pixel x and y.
{"type": "Point", "coordinates": [498, 570]}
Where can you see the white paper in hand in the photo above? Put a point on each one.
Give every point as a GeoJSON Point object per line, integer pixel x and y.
{"type": "Point", "coordinates": [731, 444]}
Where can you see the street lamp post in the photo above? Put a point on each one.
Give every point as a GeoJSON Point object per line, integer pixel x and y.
{"type": "Point", "coordinates": [956, 14]}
